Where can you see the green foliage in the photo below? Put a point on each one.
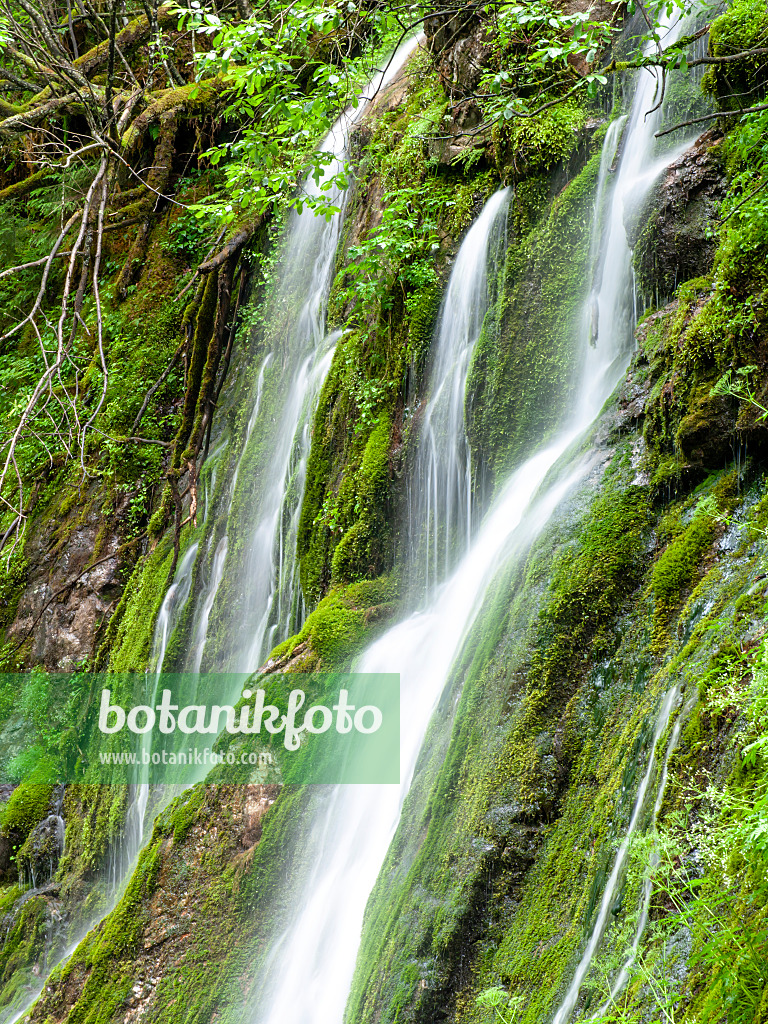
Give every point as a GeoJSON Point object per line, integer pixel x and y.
{"type": "Point", "coordinates": [286, 87]}
{"type": "Point", "coordinates": [738, 385]}
{"type": "Point", "coordinates": [504, 1005]}
{"type": "Point", "coordinates": [189, 237]}
{"type": "Point", "coordinates": [48, 706]}
{"type": "Point", "coordinates": [534, 44]}
{"type": "Point", "coordinates": [743, 26]}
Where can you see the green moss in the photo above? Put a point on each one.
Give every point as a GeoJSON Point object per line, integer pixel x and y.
{"type": "Point", "coordinates": [129, 637]}
{"type": "Point", "coordinates": [95, 817]}
{"type": "Point", "coordinates": [525, 147]}
{"type": "Point", "coordinates": [522, 370]}
{"type": "Point", "coordinates": [26, 807]}
{"type": "Point", "coordinates": [12, 583]}
{"type": "Point", "coordinates": [743, 26]}
{"type": "Point", "coordinates": [26, 943]}
{"type": "Point", "coordinates": [680, 561]}
{"type": "Point", "coordinates": [345, 524]}
{"type": "Point", "coordinates": [342, 624]}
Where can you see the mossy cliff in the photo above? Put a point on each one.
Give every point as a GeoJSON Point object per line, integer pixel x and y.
{"type": "Point", "coordinates": [649, 577]}
{"type": "Point", "coordinates": [350, 515]}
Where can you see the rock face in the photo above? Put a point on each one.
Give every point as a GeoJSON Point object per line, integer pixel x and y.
{"type": "Point", "coordinates": [40, 855]}
{"type": "Point", "coordinates": [462, 47]}
{"type": "Point", "coordinates": [705, 435]}
{"type": "Point", "coordinates": [674, 242]}
{"type": "Point", "coordinates": [185, 907]}
{"type": "Point", "coordinates": [57, 625]}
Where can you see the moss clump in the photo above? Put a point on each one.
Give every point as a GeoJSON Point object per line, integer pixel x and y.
{"type": "Point", "coordinates": [525, 147]}
{"type": "Point", "coordinates": [345, 530]}
{"type": "Point", "coordinates": [588, 590]}
{"type": "Point", "coordinates": [12, 583]}
{"type": "Point", "coordinates": [680, 561]}
{"type": "Point", "coordinates": [359, 553]}
{"type": "Point", "coordinates": [341, 625]}
{"type": "Point", "coordinates": [744, 26]}
{"type": "Point", "coordinates": [26, 946]}
{"type": "Point", "coordinates": [26, 807]}
{"type": "Point", "coordinates": [522, 368]}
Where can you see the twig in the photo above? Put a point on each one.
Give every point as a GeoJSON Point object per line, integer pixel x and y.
{"type": "Point", "coordinates": [711, 117]}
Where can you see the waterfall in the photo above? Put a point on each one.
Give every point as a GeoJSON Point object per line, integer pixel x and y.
{"type": "Point", "coordinates": [262, 573]}
{"type": "Point", "coordinates": [296, 365]}
{"type": "Point", "coordinates": [440, 497]}
{"type": "Point", "coordinates": [320, 945]}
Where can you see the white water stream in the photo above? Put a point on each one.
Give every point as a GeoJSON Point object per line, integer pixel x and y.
{"type": "Point", "coordinates": [440, 495]}
{"type": "Point", "coordinates": [320, 946]}
{"type": "Point", "coordinates": [301, 359]}
{"type": "Point", "coordinates": [270, 608]}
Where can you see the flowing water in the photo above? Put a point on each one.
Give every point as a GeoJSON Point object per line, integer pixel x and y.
{"type": "Point", "coordinates": [621, 979]}
{"type": "Point", "coordinates": [568, 1002]}
{"type": "Point", "coordinates": [269, 606]}
{"type": "Point", "coordinates": [270, 609]}
{"type": "Point", "coordinates": [299, 361]}
{"type": "Point", "coordinates": [321, 943]}
{"type": "Point", "coordinates": [440, 495]}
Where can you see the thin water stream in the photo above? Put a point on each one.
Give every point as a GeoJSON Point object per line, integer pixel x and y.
{"type": "Point", "coordinates": [440, 491]}
{"type": "Point", "coordinates": [268, 606]}
{"type": "Point", "coordinates": [321, 943]}
{"type": "Point", "coordinates": [298, 361]}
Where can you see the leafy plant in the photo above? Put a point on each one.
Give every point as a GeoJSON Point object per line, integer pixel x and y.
{"type": "Point", "coordinates": [506, 1007]}
{"type": "Point", "coordinates": [738, 385]}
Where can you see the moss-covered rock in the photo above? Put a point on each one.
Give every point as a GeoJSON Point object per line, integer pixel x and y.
{"type": "Point", "coordinates": [522, 368]}
{"type": "Point", "coordinates": [742, 27]}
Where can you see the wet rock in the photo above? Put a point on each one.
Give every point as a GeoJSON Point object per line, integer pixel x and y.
{"type": "Point", "coordinates": [671, 232]}
{"type": "Point", "coordinates": [39, 856]}
{"type": "Point", "coordinates": [59, 623]}
{"type": "Point", "coordinates": [258, 800]}
{"type": "Point", "coordinates": [705, 434]}
{"type": "Point", "coordinates": [462, 46]}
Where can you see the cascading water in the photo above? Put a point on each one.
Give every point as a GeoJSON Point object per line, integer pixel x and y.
{"type": "Point", "coordinates": [359, 822]}
{"type": "Point", "coordinates": [269, 585]}
{"type": "Point", "coordinates": [607, 157]}
{"type": "Point", "coordinates": [622, 978]}
{"type": "Point", "coordinates": [268, 607]}
{"type": "Point", "coordinates": [568, 1002]}
{"type": "Point", "coordinates": [268, 575]}
{"type": "Point", "coordinates": [440, 497]}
